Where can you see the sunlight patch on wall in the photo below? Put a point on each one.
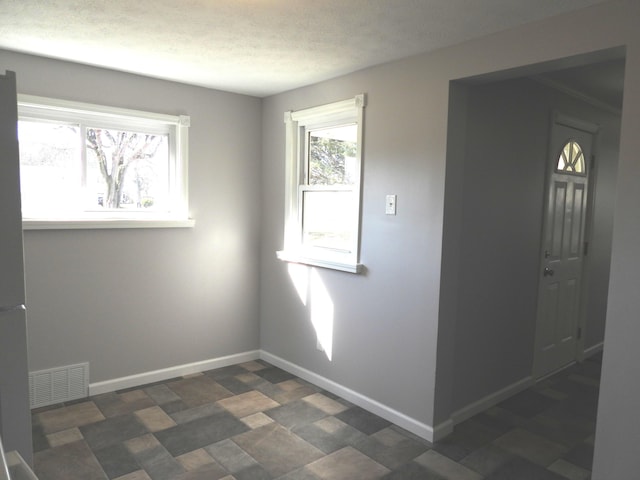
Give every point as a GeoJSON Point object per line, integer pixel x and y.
{"type": "Point", "coordinates": [321, 313]}
{"type": "Point", "coordinates": [314, 295]}
{"type": "Point", "coordinates": [299, 275]}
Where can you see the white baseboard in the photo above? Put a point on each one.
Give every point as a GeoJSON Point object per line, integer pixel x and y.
{"type": "Point", "coordinates": [421, 429]}
{"type": "Point", "coordinates": [171, 372]}
{"type": "Point", "coordinates": [441, 430]}
{"type": "Point", "coordinates": [411, 424]}
{"type": "Point", "coordinates": [594, 349]}
{"type": "Point", "coordinates": [510, 390]}
{"type": "Point", "coordinates": [490, 400]}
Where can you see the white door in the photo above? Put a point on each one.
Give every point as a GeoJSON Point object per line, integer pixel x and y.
{"type": "Point", "coordinates": [563, 246]}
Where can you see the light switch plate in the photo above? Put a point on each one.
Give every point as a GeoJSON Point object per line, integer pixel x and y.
{"type": "Point", "coordinates": [390, 208]}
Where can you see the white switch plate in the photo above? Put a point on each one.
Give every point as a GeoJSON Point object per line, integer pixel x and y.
{"type": "Point", "coordinates": [390, 208]}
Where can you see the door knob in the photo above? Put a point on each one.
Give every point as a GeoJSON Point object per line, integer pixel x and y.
{"type": "Point", "coordinates": [548, 272]}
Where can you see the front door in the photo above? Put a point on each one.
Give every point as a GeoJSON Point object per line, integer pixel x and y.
{"type": "Point", "coordinates": [563, 247]}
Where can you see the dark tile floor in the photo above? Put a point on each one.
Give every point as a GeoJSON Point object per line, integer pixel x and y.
{"type": "Point", "coordinates": [254, 421]}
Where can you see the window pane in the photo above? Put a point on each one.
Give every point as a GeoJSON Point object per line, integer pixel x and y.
{"type": "Point", "coordinates": [50, 167]}
{"type": "Point", "coordinates": [127, 170]}
{"type": "Point", "coordinates": [327, 219]}
{"type": "Point", "coordinates": [571, 159]}
{"type": "Point", "coordinates": [332, 155]}
{"type": "Point", "coordinates": [579, 163]}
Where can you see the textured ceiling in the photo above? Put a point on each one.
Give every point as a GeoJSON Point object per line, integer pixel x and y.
{"type": "Point", "coordinates": [256, 47]}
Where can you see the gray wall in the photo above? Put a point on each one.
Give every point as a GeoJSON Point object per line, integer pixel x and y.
{"type": "Point", "coordinates": [385, 319]}
{"type": "Point", "coordinates": [618, 427]}
{"type": "Point", "coordinates": [504, 173]}
{"type": "Point", "coordinates": [132, 301]}
{"type": "Point", "coordinates": [394, 332]}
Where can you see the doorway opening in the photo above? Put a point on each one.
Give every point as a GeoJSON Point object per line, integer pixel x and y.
{"type": "Point", "coordinates": [500, 134]}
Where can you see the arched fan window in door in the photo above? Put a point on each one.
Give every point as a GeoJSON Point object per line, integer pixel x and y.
{"type": "Point", "coordinates": [571, 159]}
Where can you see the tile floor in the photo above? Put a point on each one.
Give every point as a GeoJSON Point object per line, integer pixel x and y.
{"type": "Point", "coordinates": [254, 421]}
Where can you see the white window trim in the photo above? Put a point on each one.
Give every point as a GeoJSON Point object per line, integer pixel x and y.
{"type": "Point", "coordinates": [105, 223]}
{"type": "Point", "coordinates": [348, 111]}
{"type": "Point", "coordinates": [32, 106]}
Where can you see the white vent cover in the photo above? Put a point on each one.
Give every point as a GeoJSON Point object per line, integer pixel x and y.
{"type": "Point", "coordinates": [57, 385]}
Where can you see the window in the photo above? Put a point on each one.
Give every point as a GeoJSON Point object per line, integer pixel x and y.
{"type": "Point", "coordinates": [571, 159]}
{"type": "Point", "coordinates": [86, 165]}
{"type": "Point", "coordinates": [323, 168]}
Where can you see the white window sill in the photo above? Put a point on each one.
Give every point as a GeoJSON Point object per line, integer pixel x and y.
{"type": "Point", "coordinates": [293, 257]}
{"type": "Point", "coordinates": [94, 224]}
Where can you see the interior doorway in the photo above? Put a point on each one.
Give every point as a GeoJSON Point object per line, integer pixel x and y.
{"type": "Point", "coordinates": [497, 151]}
